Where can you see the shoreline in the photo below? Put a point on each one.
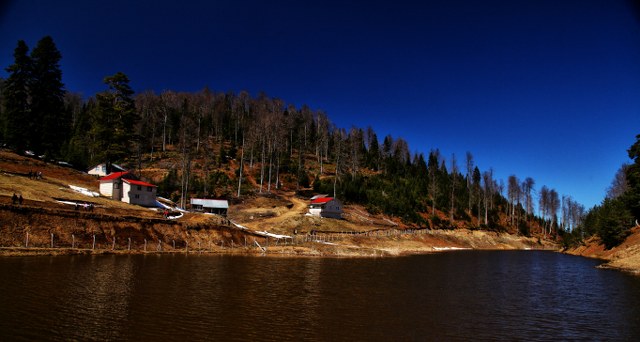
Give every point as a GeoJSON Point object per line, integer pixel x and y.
{"type": "Point", "coordinates": [357, 246]}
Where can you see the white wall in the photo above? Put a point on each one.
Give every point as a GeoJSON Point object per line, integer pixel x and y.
{"type": "Point", "coordinates": [131, 194]}
{"type": "Point", "coordinates": [106, 189]}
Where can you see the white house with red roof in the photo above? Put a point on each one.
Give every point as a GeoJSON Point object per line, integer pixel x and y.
{"type": "Point", "coordinates": [122, 186]}
{"type": "Point", "coordinates": [325, 207]}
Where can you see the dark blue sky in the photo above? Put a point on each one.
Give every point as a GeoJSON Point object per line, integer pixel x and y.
{"type": "Point", "coordinates": [543, 89]}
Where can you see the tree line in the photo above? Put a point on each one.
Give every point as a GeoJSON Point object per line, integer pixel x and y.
{"type": "Point", "coordinates": [266, 139]}
{"type": "Point", "coordinates": [612, 219]}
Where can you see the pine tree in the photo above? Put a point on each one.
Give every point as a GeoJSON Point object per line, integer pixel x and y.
{"type": "Point", "coordinates": [16, 100]}
{"type": "Point", "coordinates": [632, 172]}
{"type": "Point", "coordinates": [114, 120]}
{"type": "Point", "coordinates": [51, 123]}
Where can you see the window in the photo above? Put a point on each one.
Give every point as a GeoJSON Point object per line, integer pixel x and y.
{"type": "Point", "coordinates": [116, 185]}
{"type": "Point", "coordinates": [139, 188]}
{"type": "Point", "coordinates": [137, 196]}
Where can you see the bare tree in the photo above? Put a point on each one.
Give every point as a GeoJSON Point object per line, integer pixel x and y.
{"type": "Point", "coordinates": [513, 192]}
{"type": "Point", "coordinates": [169, 103]}
{"type": "Point", "coordinates": [527, 188]}
{"type": "Point", "coordinates": [454, 172]}
{"type": "Point", "coordinates": [543, 206]}
{"type": "Point", "coordinates": [488, 190]}
{"type": "Point", "coordinates": [434, 189]}
{"type": "Point", "coordinates": [469, 176]}
{"type": "Point", "coordinates": [187, 127]}
{"type": "Point", "coordinates": [339, 136]}
{"type": "Point", "coordinates": [619, 184]}
{"type": "Point", "coordinates": [554, 205]}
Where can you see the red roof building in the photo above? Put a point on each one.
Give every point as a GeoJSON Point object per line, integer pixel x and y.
{"type": "Point", "coordinates": [322, 200]}
{"type": "Point", "coordinates": [115, 175]}
{"type": "Point", "coordinates": [122, 186]}
{"type": "Point", "coordinates": [325, 207]}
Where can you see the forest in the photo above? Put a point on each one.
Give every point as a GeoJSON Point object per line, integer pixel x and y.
{"type": "Point", "coordinates": [279, 144]}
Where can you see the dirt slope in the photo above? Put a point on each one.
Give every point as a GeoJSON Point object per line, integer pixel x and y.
{"type": "Point", "coordinates": [118, 227]}
{"type": "Point", "coordinates": [626, 256]}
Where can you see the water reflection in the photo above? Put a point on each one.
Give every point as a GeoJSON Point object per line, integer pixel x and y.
{"type": "Point", "coordinates": [450, 296]}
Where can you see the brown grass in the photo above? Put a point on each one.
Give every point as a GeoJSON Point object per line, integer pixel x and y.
{"type": "Point", "coordinates": [280, 212]}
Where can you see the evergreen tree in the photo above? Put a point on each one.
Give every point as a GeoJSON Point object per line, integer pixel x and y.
{"type": "Point", "coordinates": [114, 120]}
{"type": "Point", "coordinates": [51, 124]}
{"type": "Point", "coordinates": [77, 152]}
{"type": "Point", "coordinates": [16, 100]}
{"type": "Point", "coordinates": [632, 195]}
{"type": "Point", "coordinates": [613, 223]}
{"type": "Point", "coordinates": [373, 153]}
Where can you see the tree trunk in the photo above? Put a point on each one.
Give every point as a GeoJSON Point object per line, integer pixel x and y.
{"type": "Point", "coordinates": [241, 162]}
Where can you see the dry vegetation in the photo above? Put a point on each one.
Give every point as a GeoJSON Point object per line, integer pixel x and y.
{"type": "Point", "coordinates": [626, 256]}
{"type": "Point", "coordinates": [117, 226]}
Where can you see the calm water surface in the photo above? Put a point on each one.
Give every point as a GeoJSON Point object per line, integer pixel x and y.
{"type": "Point", "coordinates": [472, 295]}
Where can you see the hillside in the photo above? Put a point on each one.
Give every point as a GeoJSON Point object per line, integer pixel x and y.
{"type": "Point", "coordinates": [262, 220]}
{"type": "Point", "coordinates": [625, 256]}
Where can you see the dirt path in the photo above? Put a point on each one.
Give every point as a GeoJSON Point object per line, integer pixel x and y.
{"type": "Point", "coordinates": [299, 208]}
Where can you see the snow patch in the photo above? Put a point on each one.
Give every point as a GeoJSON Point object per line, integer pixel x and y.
{"type": "Point", "coordinates": [449, 248]}
{"type": "Point", "coordinates": [84, 191]}
{"type": "Point", "coordinates": [276, 236]}
{"type": "Point", "coordinates": [175, 217]}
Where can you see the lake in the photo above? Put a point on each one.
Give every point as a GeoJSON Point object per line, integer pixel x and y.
{"type": "Point", "coordinates": [462, 295]}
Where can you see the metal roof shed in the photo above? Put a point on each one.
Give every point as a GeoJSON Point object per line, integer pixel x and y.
{"type": "Point", "coordinates": [214, 206]}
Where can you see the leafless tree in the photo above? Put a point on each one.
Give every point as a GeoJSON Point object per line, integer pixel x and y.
{"type": "Point", "coordinates": [543, 206]}
{"type": "Point", "coordinates": [432, 168]}
{"type": "Point", "coordinates": [469, 176]}
{"type": "Point", "coordinates": [619, 183]}
{"type": "Point", "coordinates": [527, 188]}
{"type": "Point", "coordinates": [488, 190]}
{"type": "Point", "coordinates": [454, 173]}
{"type": "Point", "coordinates": [554, 205]}
{"type": "Point", "coordinates": [513, 192]}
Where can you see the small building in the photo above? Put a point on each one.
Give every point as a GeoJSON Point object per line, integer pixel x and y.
{"type": "Point", "coordinates": [101, 170]}
{"type": "Point", "coordinates": [213, 206]}
{"type": "Point", "coordinates": [325, 207]}
{"type": "Point", "coordinates": [111, 185]}
{"type": "Point", "coordinates": [138, 192]}
{"type": "Point", "coordinates": [123, 186]}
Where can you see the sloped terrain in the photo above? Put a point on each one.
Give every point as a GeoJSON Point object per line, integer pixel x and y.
{"type": "Point", "coordinates": [274, 223]}
{"type": "Point", "coordinates": [625, 256]}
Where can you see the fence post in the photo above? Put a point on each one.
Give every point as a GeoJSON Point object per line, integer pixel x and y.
{"type": "Point", "coordinates": [129, 247]}
{"type": "Point", "coordinates": [51, 240]}
{"type": "Point", "coordinates": [113, 245]}
{"type": "Point", "coordinates": [174, 244]}
{"type": "Point", "coordinates": [159, 246]}
{"type": "Point", "coordinates": [186, 246]}
{"type": "Point", "coordinates": [145, 245]}
{"type": "Point", "coordinates": [26, 244]}
{"type": "Point", "coordinates": [73, 241]}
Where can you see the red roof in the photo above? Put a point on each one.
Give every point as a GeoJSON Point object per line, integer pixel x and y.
{"type": "Point", "coordinates": [322, 200]}
{"type": "Point", "coordinates": [137, 182]}
{"type": "Point", "coordinates": [114, 175]}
